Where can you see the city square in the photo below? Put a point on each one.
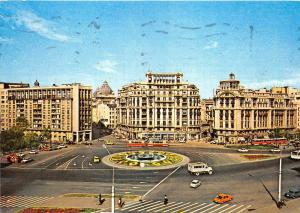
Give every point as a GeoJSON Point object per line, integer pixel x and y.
{"type": "Point", "coordinates": [149, 107]}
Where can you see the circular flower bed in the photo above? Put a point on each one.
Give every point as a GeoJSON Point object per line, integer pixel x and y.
{"type": "Point", "coordinates": [257, 157]}
{"type": "Point", "coordinates": [166, 160]}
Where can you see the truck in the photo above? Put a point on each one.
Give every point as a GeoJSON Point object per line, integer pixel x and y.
{"type": "Point", "coordinates": [198, 168]}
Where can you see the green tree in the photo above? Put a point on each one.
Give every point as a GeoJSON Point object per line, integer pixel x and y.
{"type": "Point", "coordinates": [31, 140]}
{"type": "Point", "coordinates": [46, 135]}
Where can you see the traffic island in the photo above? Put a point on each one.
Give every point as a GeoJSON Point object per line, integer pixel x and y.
{"type": "Point", "coordinates": [145, 160]}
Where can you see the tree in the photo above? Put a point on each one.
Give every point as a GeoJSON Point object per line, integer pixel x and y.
{"type": "Point", "coordinates": [46, 135]}
{"type": "Point", "coordinates": [31, 140]}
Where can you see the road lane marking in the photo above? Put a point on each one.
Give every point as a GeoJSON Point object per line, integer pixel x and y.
{"type": "Point", "coordinates": [143, 206]}
{"type": "Point", "coordinates": [244, 209]}
{"type": "Point", "coordinates": [227, 209]}
{"type": "Point", "coordinates": [178, 207]}
{"type": "Point", "coordinates": [197, 206]}
{"type": "Point", "coordinates": [238, 207]}
{"type": "Point", "coordinates": [221, 207]}
{"type": "Point", "coordinates": [202, 208]}
{"type": "Point", "coordinates": [189, 206]}
{"type": "Point", "coordinates": [83, 162]}
{"type": "Point", "coordinates": [136, 204]}
{"type": "Point", "coordinates": [160, 182]}
{"type": "Point", "coordinates": [212, 207]}
{"type": "Point", "coordinates": [52, 157]}
{"type": "Point", "coordinates": [67, 165]}
{"type": "Point", "coordinates": [168, 205]}
{"type": "Point", "coordinates": [158, 205]}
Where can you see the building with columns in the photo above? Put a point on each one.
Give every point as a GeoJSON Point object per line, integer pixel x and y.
{"type": "Point", "coordinates": [245, 113]}
{"type": "Point", "coordinates": [104, 106]}
{"type": "Point", "coordinates": [65, 110]}
{"type": "Point", "coordinates": [164, 106]}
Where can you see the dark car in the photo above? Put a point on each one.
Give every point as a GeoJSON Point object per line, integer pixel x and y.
{"type": "Point", "coordinates": [293, 192]}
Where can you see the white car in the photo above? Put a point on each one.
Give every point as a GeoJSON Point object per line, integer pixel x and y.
{"type": "Point", "coordinates": [275, 150]}
{"type": "Point", "coordinates": [243, 150]}
{"type": "Point", "coordinates": [195, 183]}
{"type": "Point", "coordinates": [61, 146]}
{"type": "Point", "coordinates": [26, 160]}
{"type": "Point", "coordinates": [33, 151]}
{"type": "Point", "coordinates": [21, 154]}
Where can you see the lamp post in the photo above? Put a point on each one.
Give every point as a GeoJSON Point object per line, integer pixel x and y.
{"type": "Point", "coordinates": [112, 186]}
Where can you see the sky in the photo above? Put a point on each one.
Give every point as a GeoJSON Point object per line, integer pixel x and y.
{"type": "Point", "coordinates": [90, 42]}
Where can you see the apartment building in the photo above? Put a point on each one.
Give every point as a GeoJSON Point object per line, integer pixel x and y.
{"type": "Point", "coordinates": [164, 106]}
{"type": "Point", "coordinates": [241, 112]}
{"type": "Point", "coordinates": [65, 110]}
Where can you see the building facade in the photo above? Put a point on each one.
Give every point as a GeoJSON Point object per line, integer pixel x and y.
{"type": "Point", "coordinates": [163, 106]}
{"type": "Point", "coordinates": [241, 113]}
{"type": "Point", "coordinates": [65, 110]}
{"type": "Point", "coordinates": [104, 106]}
{"type": "Point", "coordinates": [207, 118]}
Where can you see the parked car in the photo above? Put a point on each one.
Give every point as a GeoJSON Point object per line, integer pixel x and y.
{"type": "Point", "coordinates": [222, 198]}
{"type": "Point", "coordinates": [20, 154]}
{"type": "Point", "coordinates": [195, 183]}
{"type": "Point", "coordinates": [243, 150]}
{"type": "Point", "coordinates": [62, 146]}
{"type": "Point", "coordinates": [275, 150]}
{"type": "Point", "coordinates": [96, 159]}
{"type": "Point", "coordinates": [109, 142]}
{"type": "Point", "coordinates": [293, 192]}
{"type": "Point", "coordinates": [26, 160]}
{"type": "Point", "coordinates": [33, 151]}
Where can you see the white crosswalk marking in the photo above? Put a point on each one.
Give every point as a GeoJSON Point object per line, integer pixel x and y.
{"type": "Point", "coordinates": [247, 207]}
{"type": "Point", "coordinates": [144, 207]}
{"type": "Point", "coordinates": [136, 204]}
{"type": "Point", "coordinates": [170, 205]}
{"type": "Point", "coordinates": [175, 207]}
{"type": "Point", "coordinates": [236, 209]}
{"type": "Point", "coordinates": [228, 208]}
{"type": "Point", "coordinates": [21, 201]}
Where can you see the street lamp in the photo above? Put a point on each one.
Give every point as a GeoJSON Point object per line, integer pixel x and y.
{"type": "Point", "coordinates": [113, 185]}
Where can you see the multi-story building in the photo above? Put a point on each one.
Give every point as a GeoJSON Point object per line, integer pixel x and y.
{"type": "Point", "coordinates": [293, 93]}
{"type": "Point", "coordinates": [65, 110]}
{"type": "Point", "coordinates": [104, 106]}
{"type": "Point", "coordinates": [207, 118]}
{"type": "Point", "coordinates": [240, 112]}
{"type": "Point", "coordinates": [4, 116]}
{"type": "Point", "coordinates": [163, 106]}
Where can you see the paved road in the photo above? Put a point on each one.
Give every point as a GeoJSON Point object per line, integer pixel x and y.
{"type": "Point", "coordinates": [71, 170]}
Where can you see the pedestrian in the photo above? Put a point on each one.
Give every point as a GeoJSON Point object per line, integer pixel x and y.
{"type": "Point", "coordinates": [100, 199]}
{"type": "Point", "coordinates": [166, 200]}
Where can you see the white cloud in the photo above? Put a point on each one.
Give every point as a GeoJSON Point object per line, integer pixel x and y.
{"type": "Point", "coordinates": [106, 66]}
{"type": "Point", "coordinates": [211, 45]}
{"type": "Point", "coordinates": [39, 25]}
{"type": "Point", "coordinates": [294, 80]}
{"type": "Point", "coordinates": [5, 40]}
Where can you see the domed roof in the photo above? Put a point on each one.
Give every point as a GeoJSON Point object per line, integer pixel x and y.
{"type": "Point", "coordinates": [104, 90]}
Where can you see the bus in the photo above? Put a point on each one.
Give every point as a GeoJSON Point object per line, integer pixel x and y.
{"type": "Point", "coordinates": [295, 155]}
{"type": "Point", "coordinates": [136, 143]}
{"type": "Point", "coordinates": [270, 141]}
{"type": "Point", "coordinates": [157, 143]}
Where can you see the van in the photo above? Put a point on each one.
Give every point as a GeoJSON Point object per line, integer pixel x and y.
{"type": "Point", "coordinates": [199, 168]}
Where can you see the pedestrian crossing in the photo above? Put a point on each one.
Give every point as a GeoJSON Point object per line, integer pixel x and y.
{"type": "Point", "coordinates": [180, 207]}
{"type": "Point", "coordinates": [21, 201]}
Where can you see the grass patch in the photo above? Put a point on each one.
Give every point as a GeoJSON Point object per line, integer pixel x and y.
{"type": "Point", "coordinates": [256, 157]}
{"type": "Point", "coordinates": [57, 210]}
{"type": "Point", "coordinates": [126, 196]}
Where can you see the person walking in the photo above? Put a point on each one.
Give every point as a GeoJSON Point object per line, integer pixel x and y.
{"type": "Point", "coordinates": [166, 200]}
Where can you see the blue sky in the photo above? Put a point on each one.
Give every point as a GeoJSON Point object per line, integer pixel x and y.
{"type": "Point", "coordinates": [89, 42]}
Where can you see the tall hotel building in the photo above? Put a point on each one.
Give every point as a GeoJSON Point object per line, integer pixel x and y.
{"type": "Point", "coordinates": [163, 106]}
{"type": "Point", "coordinates": [65, 110]}
{"type": "Point", "coordinates": [240, 112]}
